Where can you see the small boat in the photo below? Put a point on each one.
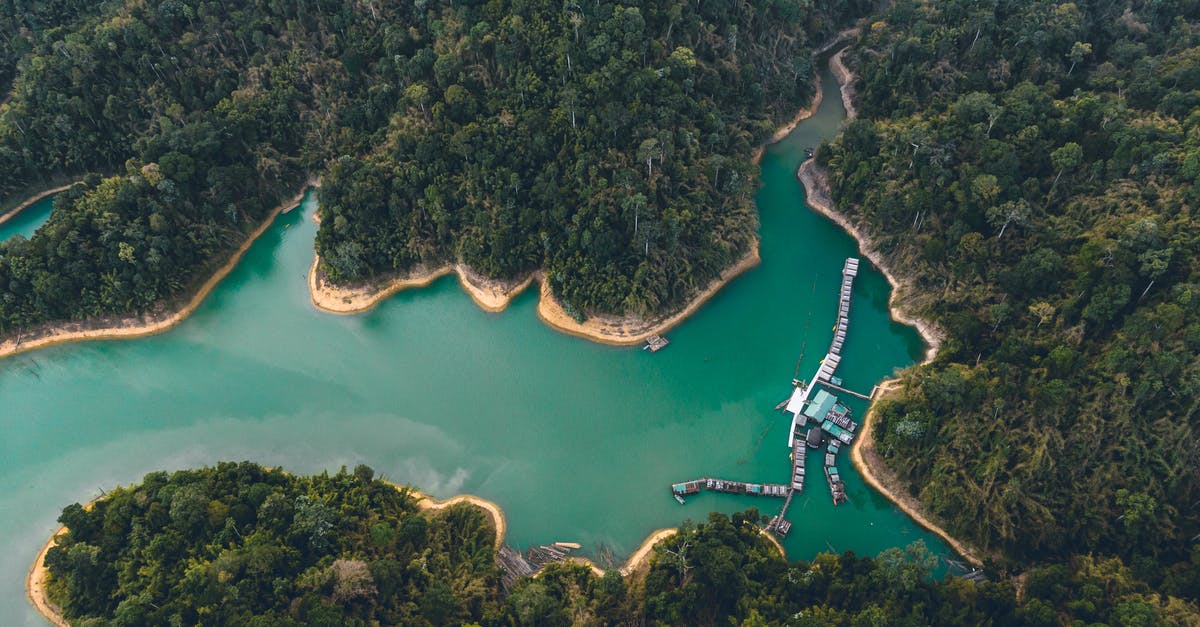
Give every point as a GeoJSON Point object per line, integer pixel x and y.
{"type": "Point", "coordinates": [679, 498]}
{"type": "Point", "coordinates": [835, 380]}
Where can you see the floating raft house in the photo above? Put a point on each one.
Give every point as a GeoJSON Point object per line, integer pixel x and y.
{"type": "Point", "coordinates": [688, 488]}
{"type": "Point", "coordinates": [655, 343]}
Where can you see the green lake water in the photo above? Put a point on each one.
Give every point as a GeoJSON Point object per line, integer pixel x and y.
{"type": "Point", "coordinates": [28, 221]}
{"type": "Point", "coordinates": [575, 440]}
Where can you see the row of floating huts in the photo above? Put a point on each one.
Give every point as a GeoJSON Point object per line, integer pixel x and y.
{"type": "Point", "coordinates": [823, 410]}
{"type": "Point", "coordinates": [689, 488]}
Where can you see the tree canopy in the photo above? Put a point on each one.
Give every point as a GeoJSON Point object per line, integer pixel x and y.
{"type": "Point", "coordinates": [1033, 166]}
{"type": "Point", "coordinates": [239, 544]}
{"type": "Point", "coordinates": [608, 144]}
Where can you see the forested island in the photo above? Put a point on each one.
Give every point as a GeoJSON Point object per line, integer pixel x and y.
{"type": "Point", "coordinates": [241, 544]}
{"type": "Point", "coordinates": [1030, 168]}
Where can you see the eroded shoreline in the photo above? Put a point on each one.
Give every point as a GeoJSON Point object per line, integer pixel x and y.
{"type": "Point", "coordinates": [126, 327]}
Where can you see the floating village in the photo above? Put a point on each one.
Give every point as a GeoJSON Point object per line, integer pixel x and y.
{"type": "Point", "coordinates": [818, 419]}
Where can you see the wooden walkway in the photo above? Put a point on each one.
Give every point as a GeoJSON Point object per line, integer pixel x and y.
{"type": "Point", "coordinates": [697, 486]}
{"type": "Point", "coordinates": [865, 397]}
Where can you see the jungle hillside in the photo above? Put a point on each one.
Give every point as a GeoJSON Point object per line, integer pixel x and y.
{"type": "Point", "coordinates": [609, 145]}
{"type": "Point", "coordinates": [240, 544]}
{"type": "Point", "coordinates": [1032, 167]}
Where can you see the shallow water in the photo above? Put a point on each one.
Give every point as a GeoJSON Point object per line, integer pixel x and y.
{"type": "Point", "coordinates": [575, 440]}
{"type": "Point", "coordinates": [28, 221]}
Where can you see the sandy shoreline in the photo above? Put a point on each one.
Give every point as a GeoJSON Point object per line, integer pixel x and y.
{"type": "Point", "coordinates": [864, 454]}
{"type": "Point", "coordinates": [12, 213]}
{"type": "Point", "coordinates": [137, 326]}
{"type": "Point", "coordinates": [426, 502]}
{"type": "Point", "coordinates": [845, 79]}
{"type": "Point", "coordinates": [870, 464]}
{"type": "Point", "coordinates": [35, 585]}
{"type": "Point", "coordinates": [801, 116]}
{"type": "Point", "coordinates": [495, 295]}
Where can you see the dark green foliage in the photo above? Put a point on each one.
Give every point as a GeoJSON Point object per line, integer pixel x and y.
{"type": "Point", "coordinates": [24, 24]}
{"type": "Point", "coordinates": [608, 145]}
{"type": "Point", "coordinates": [1033, 166]}
{"type": "Point", "coordinates": [239, 544]}
{"type": "Point", "coordinates": [724, 572]}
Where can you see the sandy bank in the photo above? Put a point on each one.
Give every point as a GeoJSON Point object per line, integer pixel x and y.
{"type": "Point", "coordinates": [816, 191]}
{"type": "Point", "coordinates": [845, 79]}
{"type": "Point", "coordinates": [871, 465]}
{"type": "Point", "coordinates": [125, 327]}
{"type": "Point", "coordinates": [12, 213]}
{"type": "Point", "coordinates": [801, 116]}
{"type": "Point", "coordinates": [35, 582]}
{"type": "Point", "coordinates": [38, 577]}
{"type": "Point", "coordinates": [490, 294]}
{"type": "Point", "coordinates": [35, 585]}
{"type": "Point", "coordinates": [495, 295]}
{"type": "Point", "coordinates": [426, 502]}
{"type": "Point", "coordinates": [630, 330]}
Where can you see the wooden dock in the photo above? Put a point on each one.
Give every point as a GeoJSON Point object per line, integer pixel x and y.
{"type": "Point", "coordinates": [835, 421]}
{"type": "Point", "coordinates": [865, 397]}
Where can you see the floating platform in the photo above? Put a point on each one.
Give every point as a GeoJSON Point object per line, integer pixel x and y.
{"type": "Point", "coordinates": [837, 489]}
{"type": "Point", "coordinates": [655, 343]}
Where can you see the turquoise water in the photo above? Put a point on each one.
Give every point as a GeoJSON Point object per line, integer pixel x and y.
{"type": "Point", "coordinates": [575, 440]}
{"type": "Point", "coordinates": [28, 221]}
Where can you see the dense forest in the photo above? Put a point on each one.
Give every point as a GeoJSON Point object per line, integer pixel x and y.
{"type": "Point", "coordinates": [1032, 166]}
{"type": "Point", "coordinates": [240, 544]}
{"type": "Point", "coordinates": [608, 144]}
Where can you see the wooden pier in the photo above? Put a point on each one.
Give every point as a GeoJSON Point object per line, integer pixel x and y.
{"type": "Point", "coordinates": [849, 271]}
{"type": "Point", "coordinates": [697, 486]}
{"type": "Point", "coordinates": [828, 366]}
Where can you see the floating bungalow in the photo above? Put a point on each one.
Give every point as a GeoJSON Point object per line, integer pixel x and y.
{"type": "Point", "coordinates": [805, 403]}
{"type": "Point", "coordinates": [655, 343]}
